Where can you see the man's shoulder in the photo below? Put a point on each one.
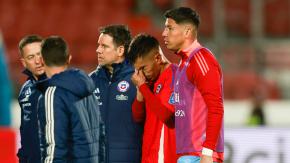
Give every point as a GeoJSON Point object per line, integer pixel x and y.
{"type": "Point", "coordinates": [206, 54]}
{"type": "Point", "coordinates": [168, 72]}
{"type": "Point", "coordinates": [96, 73]}
{"type": "Point", "coordinates": [203, 57]}
{"type": "Point", "coordinates": [59, 95]}
{"type": "Point", "coordinates": [88, 101]}
{"type": "Point", "coordinates": [27, 86]}
{"type": "Point", "coordinates": [57, 90]}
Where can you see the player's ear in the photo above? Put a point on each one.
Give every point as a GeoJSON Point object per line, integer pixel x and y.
{"type": "Point", "coordinates": [69, 59]}
{"type": "Point", "coordinates": [121, 50]}
{"type": "Point", "coordinates": [158, 57]}
{"type": "Point", "coordinates": [189, 30]}
{"type": "Point", "coordinates": [23, 62]}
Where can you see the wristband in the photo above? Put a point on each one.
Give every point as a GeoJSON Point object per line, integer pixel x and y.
{"type": "Point", "coordinates": [207, 152]}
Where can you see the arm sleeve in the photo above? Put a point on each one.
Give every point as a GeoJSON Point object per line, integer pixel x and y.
{"type": "Point", "coordinates": [163, 112]}
{"type": "Point", "coordinates": [138, 111]}
{"type": "Point", "coordinates": [20, 154]}
{"type": "Point", "coordinates": [205, 73]}
{"type": "Point", "coordinates": [41, 126]}
{"type": "Point", "coordinates": [56, 128]}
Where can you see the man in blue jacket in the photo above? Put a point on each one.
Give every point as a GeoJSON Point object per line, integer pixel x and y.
{"type": "Point", "coordinates": [115, 91]}
{"type": "Point", "coordinates": [68, 111]}
{"type": "Point", "coordinates": [29, 49]}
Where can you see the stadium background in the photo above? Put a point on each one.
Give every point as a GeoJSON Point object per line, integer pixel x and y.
{"type": "Point", "coordinates": [250, 38]}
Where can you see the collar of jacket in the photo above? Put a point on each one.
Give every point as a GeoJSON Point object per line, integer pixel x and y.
{"type": "Point", "coordinates": [119, 71]}
{"type": "Point", "coordinates": [31, 77]}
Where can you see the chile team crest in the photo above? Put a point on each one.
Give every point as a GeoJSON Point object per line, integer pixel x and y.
{"type": "Point", "coordinates": [123, 86]}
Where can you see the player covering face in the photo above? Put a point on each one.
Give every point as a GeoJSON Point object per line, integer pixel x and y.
{"type": "Point", "coordinates": [152, 106]}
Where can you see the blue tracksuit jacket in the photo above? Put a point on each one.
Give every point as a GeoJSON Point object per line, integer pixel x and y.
{"type": "Point", "coordinates": [27, 99]}
{"type": "Point", "coordinates": [116, 92]}
{"type": "Point", "coordinates": [69, 118]}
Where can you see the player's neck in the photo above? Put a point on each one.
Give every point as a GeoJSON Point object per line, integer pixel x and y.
{"type": "Point", "coordinates": [35, 77]}
{"type": "Point", "coordinates": [164, 66]}
{"type": "Point", "coordinates": [186, 44]}
{"type": "Point", "coordinates": [110, 68]}
{"type": "Point", "coordinates": [50, 71]}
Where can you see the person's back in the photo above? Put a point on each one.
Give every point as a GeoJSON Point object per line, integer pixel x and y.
{"type": "Point", "coordinates": [72, 117]}
{"type": "Point", "coordinates": [68, 112]}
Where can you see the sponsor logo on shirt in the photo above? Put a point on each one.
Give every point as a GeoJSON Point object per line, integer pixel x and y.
{"type": "Point", "coordinates": [121, 97]}
{"type": "Point", "coordinates": [179, 113]}
{"type": "Point", "coordinates": [123, 86]}
{"type": "Point", "coordinates": [98, 97]}
{"type": "Point", "coordinates": [25, 99]}
{"type": "Point", "coordinates": [176, 97]}
{"type": "Point", "coordinates": [158, 88]}
{"type": "Point", "coordinates": [26, 105]}
{"type": "Point", "coordinates": [26, 111]}
{"type": "Point", "coordinates": [97, 90]}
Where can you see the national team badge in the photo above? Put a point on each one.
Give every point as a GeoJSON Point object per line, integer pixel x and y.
{"type": "Point", "coordinates": [123, 86]}
{"type": "Point", "coordinates": [172, 98]}
{"type": "Point", "coordinates": [158, 88]}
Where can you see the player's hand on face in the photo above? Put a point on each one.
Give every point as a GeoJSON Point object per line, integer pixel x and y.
{"type": "Point", "coordinates": [138, 78]}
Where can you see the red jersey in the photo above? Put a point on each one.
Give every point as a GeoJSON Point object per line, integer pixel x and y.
{"type": "Point", "coordinates": [158, 113]}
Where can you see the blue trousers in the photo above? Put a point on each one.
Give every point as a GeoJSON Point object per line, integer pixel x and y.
{"type": "Point", "coordinates": [188, 159]}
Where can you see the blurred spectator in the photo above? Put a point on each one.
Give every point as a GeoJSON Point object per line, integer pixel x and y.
{"type": "Point", "coordinates": [5, 87]}
{"type": "Point", "coordinates": [257, 116]}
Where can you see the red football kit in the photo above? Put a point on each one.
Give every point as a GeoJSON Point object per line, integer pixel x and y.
{"type": "Point", "coordinates": [157, 112]}
{"type": "Point", "coordinates": [198, 86]}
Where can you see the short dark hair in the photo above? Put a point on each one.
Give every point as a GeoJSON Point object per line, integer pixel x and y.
{"type": "Point", "coordinates": [54, 51]}
{"type": "Point", "coordinates": [141, 46]}
{"type": "Point", "coordinates": [120, 34]}
{"type": "Point", "coordinates": [28, 40]}
{"type": "Point", "coordinates": [183, 15]}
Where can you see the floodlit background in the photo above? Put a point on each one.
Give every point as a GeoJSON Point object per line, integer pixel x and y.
{"type": "Point", "coordinates": [250, 39]}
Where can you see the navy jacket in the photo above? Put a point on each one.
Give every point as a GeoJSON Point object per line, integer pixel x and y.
{"type": "Point", "coordinates": [116, 93]}
{"type": "Point", "coordinates": [69, 118]}
{"type": "Point", "coordinates": [27, 99]}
